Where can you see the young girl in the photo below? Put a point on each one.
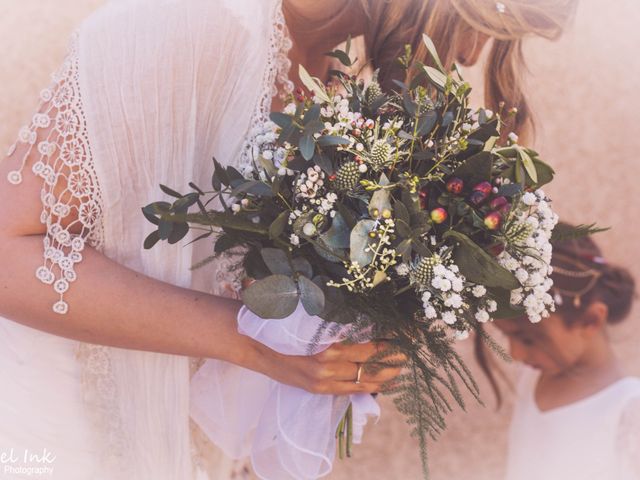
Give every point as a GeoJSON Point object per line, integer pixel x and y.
{"type": "Point", "coordinates": [577, 415]}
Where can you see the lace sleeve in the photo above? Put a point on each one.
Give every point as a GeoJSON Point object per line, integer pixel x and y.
{"type": "Point", "coordinates": [56, 147]}
{"type": "Point", "coordinates": [628, 437]}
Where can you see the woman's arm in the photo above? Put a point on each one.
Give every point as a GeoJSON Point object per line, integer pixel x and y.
{"type": "Point", "coordinates": [116, 306]}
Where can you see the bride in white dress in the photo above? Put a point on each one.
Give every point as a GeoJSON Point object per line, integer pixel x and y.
{"type": "Point", "coordinates": [96, 364]}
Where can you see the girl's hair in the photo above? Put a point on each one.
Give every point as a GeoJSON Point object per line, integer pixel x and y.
{"type": "Point", "coordinates": [581, 276]}
{"type": "Point", "coordinates": [452, 23]}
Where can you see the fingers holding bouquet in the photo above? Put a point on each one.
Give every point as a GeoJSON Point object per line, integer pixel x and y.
{"type": "Point", "coordinates": [345, 369]}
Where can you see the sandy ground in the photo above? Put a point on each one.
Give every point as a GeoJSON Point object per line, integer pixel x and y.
{"type": "Point", "coordinates": [584, 91]}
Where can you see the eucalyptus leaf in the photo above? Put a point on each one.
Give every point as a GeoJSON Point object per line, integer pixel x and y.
{"type": "Point", "coordinates": [510, 190]}
{"type": "Point", "coordinates": [223, 243]}
{"type": "Point", "coordinates": [380, 201]}
{"type": "Point", "coordinates": [409, 105]}
{"type": "Point", "coordinates": [337, 236]}
{"type": "Point", "coordinates": [149, 214]}
{"type": "Point", "coordinates": [253, 187]}
{"type": "Point", "coordinates": [426, 123]}
{"type": "Point", "coordinates": [327, 252]}
{"type": "Point", "coordinates": [164, 228]}
{"type": "Point", "coordinates": [527, 162]}
{"type": "Point", "coordinates": [312, 115]}
{"type": "Point", "coordinates": [182, 204]}
{"type": "Point", "coordinates": [447, 118]}
{"type": "Point", "coordinates": [311, 296]}
{"type": "Point", "coordinates": [360, 240]}
{"type": "Point", "coordinates": [478, 266]}
{"type": "Point", "coordinates": [268, 166]}
{"type": "Point", "coordinates": [403, 228]}
{"type": "Point", "coordinates": [307, 146]}
{"type": "Point", "coordinates": [332, 140]}
{"type": "Point", "coordinates": [505, 309]}
{"type": "Point", "coordinates": [313, 85]}
{"type": "Point", "coordinates": [286, 133]}
{"type": "Point", "coordinates": [411, 201]}
{"type": "Point", "coordinates": [278, 225]}
{"type": "Point", "coordinates": [302, 266]}
{"type": "Point", "coordinates": [431, 48]}
{"type": "Point", "coordinates": [437, 78]}
{"type": "Point", "coordinates": [489, 144]}
{"type": "Point", "coordinates": [404, 249]}
{"type": "Point", "coordinates": [151, 240]}
{"type": "Point", "coordinates": [475, 169]}
{"type": "Point", "coordinates": [178, 232]}
{"type": "Point", "coordinates": [324, 162]}
{"type": "Point", "coordinates": [519, 172]}
{"type": "Point", "coordinates": [401, 211]}
{"type": "Point", "coordinates": [220, 173]}
{"type": "Point", "coordinates": [347, 214]}
{"type": "Point", "coordinates": [545, 172]}
{"type": "Point", "coordinates": [276, 260]}
{"type": "Point", "coordinates": [341, 56]}
{"type": "Point", "coordinates": [170, 192]}
{"type": "Point", "coordinates": [281, 119]}
{"type": "Point", "coordinates": [273, 297]}
{"type": "Point", "coordinates": [313, 127]}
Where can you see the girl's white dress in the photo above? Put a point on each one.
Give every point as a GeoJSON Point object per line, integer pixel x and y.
{"type": "Point", "coordinates": [597, 438]}
{"type": "Point", "coordinates": [150, 91]}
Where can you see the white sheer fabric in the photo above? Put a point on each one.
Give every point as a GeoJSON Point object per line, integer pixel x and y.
{"type": "Point", "coordinates": [288, 433]}
{"type": "Point", "coordinates": [592, 439]}
{"type": "Point", "coordinates": [151, 89]}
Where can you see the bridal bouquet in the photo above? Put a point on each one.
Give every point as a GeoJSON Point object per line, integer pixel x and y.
{"type": "Point", "coordinates": [402, 215]}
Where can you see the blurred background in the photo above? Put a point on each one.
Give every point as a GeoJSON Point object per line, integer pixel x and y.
{"type": "Point", "coordinates": [584, 92]}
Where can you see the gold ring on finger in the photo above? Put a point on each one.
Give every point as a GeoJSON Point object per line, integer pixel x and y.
{"type": "Point", "coordinates": [359, 374]}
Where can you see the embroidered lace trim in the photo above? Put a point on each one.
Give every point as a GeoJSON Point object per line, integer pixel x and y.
{"type": "Point", "coordinates": [275, 81]}
{"type": "Point", "coordinates": [72, 212]}
{"type": "Point", "coordinates": [71, 200]}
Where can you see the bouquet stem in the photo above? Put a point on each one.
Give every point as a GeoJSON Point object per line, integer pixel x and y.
{"type": "Point", "coordinates": [344, 434]}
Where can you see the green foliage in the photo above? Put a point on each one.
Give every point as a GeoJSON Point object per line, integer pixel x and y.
{"type": "Point", "coordinates": [563, 232]}
{"type": "Point", "coordinates": [332, 206]}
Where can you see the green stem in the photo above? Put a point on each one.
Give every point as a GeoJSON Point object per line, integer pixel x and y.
{"type": "Point", "coordinates": [349, 429]}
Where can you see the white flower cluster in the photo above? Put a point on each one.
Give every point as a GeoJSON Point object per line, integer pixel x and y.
{"type": "Point", "coordinates": [339, 119]}
{"type": "Point", "coordinates": [451, 297]}
{"type": "Point", "coordinates": [366, 277]}
{"type": "Point", "coordinates": [311, 194]}
{"type": "Point", "coordinates": [264, 144]}
{"type": "Point", "coordinates": [309, 184]}
{"type": "Point", "coordinates": [529, 259]}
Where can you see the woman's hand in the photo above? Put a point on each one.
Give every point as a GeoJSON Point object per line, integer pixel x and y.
{"type": "Point", "coordinates": [335, 370]}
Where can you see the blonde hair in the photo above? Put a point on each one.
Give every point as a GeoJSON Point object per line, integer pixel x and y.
{"type": "Point", "coordinates": [451, 24]}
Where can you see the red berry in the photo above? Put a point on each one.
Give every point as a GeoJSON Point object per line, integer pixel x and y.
{"type": "Point", "coordinates": [424, 192]}
{"type": "Point", "coordinates": [484, 187]}
{"type": "Point", "coordinates": [439, 215]}
{"type": "Point", "coordinates": [455, 186]}
{"type": "Point", "coordinates": [477, 197]}
{"type": "Point", "coordinates": [504, 209]}
{"type": "Point", "coordinates": [498, 202]}
{"type": "Point", "coordinates": [492, 220]}
{"type": "Point", "coordinates": [333, 177]}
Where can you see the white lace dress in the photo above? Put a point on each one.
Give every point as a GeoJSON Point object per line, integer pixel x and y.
{"type": "Point", "coordinates": [150, 90]}
{"type": "Point", "coordinates": [596, 438]}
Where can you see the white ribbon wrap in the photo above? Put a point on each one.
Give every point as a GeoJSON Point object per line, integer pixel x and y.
{"type": "Point", "coordinates": [288, 432]}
